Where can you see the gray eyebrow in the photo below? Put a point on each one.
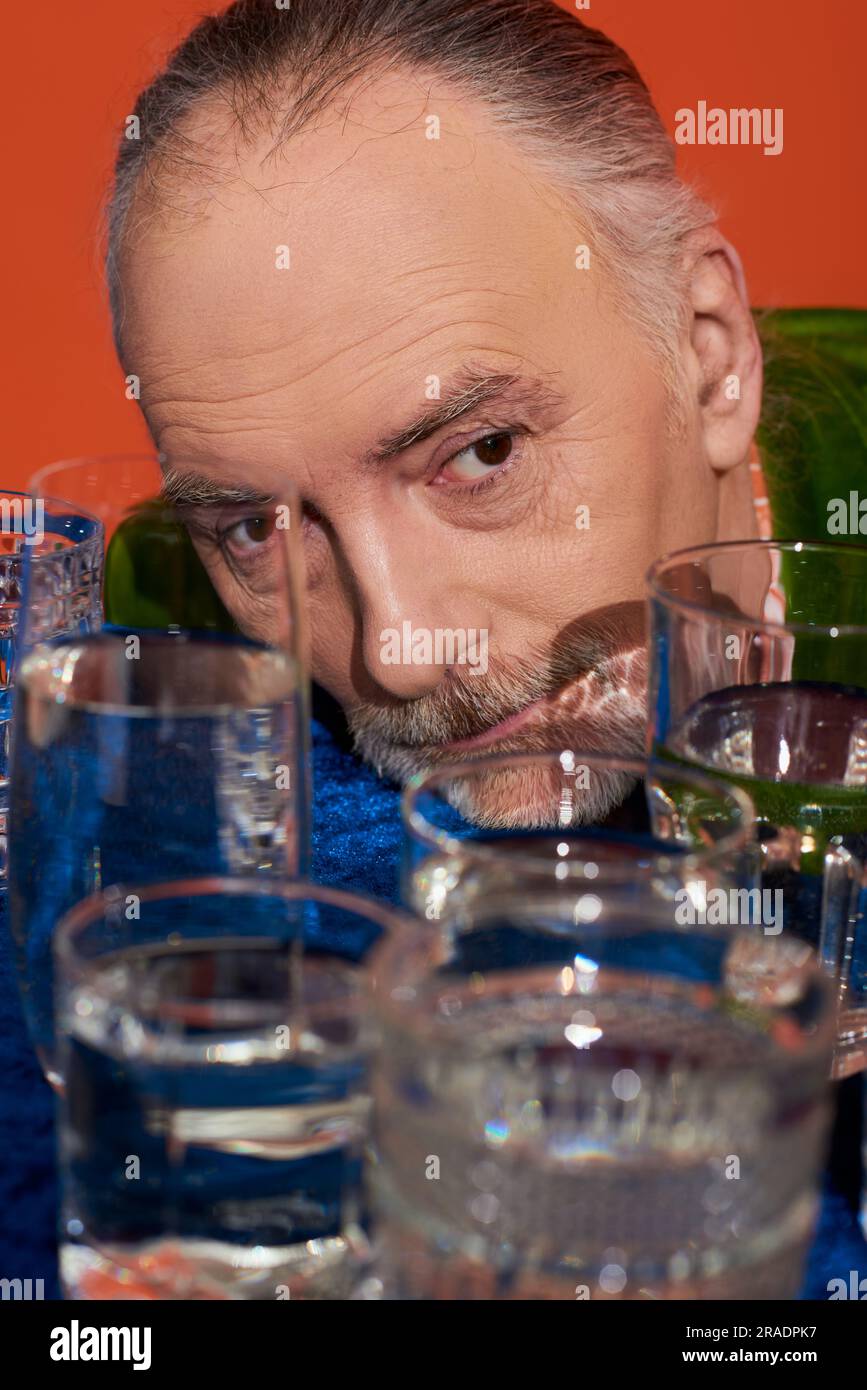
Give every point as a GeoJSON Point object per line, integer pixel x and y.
{"type": "Point", "coordinates": [181, 489]}
{"type": "Point", "coordinates": [471, 388]}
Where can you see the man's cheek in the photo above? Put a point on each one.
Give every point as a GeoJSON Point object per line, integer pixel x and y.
{"type": "Point", "coordinates": [331, 662]}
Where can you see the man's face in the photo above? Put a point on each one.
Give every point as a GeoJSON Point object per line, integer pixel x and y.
{"type": "Point", "coordinates": [475, 575]}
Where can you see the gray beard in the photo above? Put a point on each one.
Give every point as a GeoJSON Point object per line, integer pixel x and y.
{"type": "Point", "coordinates": [400, 742]}
{"type": "Point", "coordinates": [524, 800]}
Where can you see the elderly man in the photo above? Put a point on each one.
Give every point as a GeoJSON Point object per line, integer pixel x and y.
{"type": "Point", "coordinates": [431, 261]}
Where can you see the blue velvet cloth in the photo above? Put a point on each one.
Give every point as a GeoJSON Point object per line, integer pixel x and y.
{"type": "Point", "coordinates": [355, 845]}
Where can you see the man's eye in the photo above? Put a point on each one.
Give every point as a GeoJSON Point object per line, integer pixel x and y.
{"type": "Point", "coordinates": [249, 534]}
{"type": "Point", "coordinates": [481, 456]}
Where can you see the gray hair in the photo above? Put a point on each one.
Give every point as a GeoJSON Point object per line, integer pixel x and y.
{"type": "Point", "coordinates": [569, 96]}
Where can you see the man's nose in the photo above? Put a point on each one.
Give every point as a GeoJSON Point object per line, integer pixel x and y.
{"type": "Point", "coordinates": [415, 622]}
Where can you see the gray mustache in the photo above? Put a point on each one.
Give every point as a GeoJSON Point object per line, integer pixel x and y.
{"type": "Point", "coordinates": [461, 708]}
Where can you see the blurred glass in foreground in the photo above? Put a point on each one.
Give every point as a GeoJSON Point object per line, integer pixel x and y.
{"type": "Point", "coordinates": [215, 1039]}
{"type": "Point", "coordinates": [63, 548]}
{"type": "Point", "coordinates": [173, 739]}
{"type": "Point", "coordinates": [758, 673]}
{"type": "Point", "coordinates": [625, 824]}
{"type": "Point", "coordinates": [576, 1098]}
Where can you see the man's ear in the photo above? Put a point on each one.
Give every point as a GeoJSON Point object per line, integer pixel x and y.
{"type": "Point", "coordinates": [725, 354]}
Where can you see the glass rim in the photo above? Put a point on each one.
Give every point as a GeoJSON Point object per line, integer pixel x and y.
{"type": "Point", "coordinates": [407, 964]}
{"type": "Point", "coordinates": [79, 460]}
{"type": "Point", "coordinates": [80, 512]}
{"type": "Point", "coordinates": [657, 591]}
{"type": "Point", "coordinates": [184, 638]}
{"type": "Point", "coordinates": [95, 906]}
{"type": "Point", "coordinates": [420, 828]}
{"type": "Point", "coordinates": [291, 588]}
{"type": "Point", "coordinates": [157, 457]}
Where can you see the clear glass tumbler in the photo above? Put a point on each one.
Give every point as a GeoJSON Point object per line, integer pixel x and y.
{"type": "Point", "coordinates": [173, 740]}
{"type": "Point", "coordinates": [63, 548]}
{"type": "Point", "coordinates": [576, 1097]}
{"type": "Point", "coordinates": [758, 673]}
{"type": "Point", "coordinates": [627, 823]}
{"type": "Point", "coordinates": [215, 1039]}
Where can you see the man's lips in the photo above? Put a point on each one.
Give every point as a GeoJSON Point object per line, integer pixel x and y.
{"type": "Point", "coordinates": [618, 679]}
{"type": "Point", "coordinates": [504, 729]}
{"type": "Point", "coordinates": [601, 704]}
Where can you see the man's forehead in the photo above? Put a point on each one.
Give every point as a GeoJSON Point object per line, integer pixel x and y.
{"type": "Point", "coordinates": [349, 227]}
{"type": "Point", "coordinates": [317, 303]}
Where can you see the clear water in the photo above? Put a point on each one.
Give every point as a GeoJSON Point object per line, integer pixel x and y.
{"type": "Point", "coordinates": [799, 749]}
{"type": "Point", "coordinates": [435, 884]}
{"type": "Point", "coordinates": [620, 1143]}
{"type": "Point", "coordinates": [203, 1155]}
{"type": "Point", "coordinates": [66, 596]}
{"type": "Point", "coordinates": [185, 784]}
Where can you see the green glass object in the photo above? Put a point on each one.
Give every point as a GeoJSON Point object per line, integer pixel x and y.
{"type": "Point", "coordinates": [154, 578]}
{"type": "Point", "coordinates": [813, 431]}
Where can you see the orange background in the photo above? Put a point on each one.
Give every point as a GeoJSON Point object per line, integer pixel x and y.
{"type": "Point", "coordinates": [73, 70]}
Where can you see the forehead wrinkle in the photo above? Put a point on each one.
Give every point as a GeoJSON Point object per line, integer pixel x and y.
{"type": "Point", "coordinates": [423, 306]}
{"type": "Point", "coordinates": [272, 400]}
{"type": "Point", "coordinates": [386, 278]}
{"type": "Point", "coordinates": [154, 379]}
{"type": "Point", "coordinates": [474, 290]}
{"type": "Point", "coordinates": [360, 381]}
{"type": "Point", "coordinates": [219, 401]}
{"type": "Point", "coordinates": [471, 263]}
{"type": "Point", "coordinates": [417, 309]}
{"type": "Point", "coordinates": [331, 360]}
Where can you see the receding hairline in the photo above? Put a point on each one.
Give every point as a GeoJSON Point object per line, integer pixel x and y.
{"type": "Point", "coordinates": [565, 94]}
{"type": "Point", "coordinates": [195, 155]}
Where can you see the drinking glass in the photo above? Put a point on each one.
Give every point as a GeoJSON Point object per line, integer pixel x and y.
{"type": "Point", "coordinates": [627, 823]}
{"type": "Point", "coordinates": [758, 672]}
{"type": "Point", "coordinates": [593, 1104]}
{"type": "Point", "coordinates": [174, 739]}
{"type": "Point", "coordinates": [215, 1037]}
{"type": "Point", "coordinates": [64, 548]}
